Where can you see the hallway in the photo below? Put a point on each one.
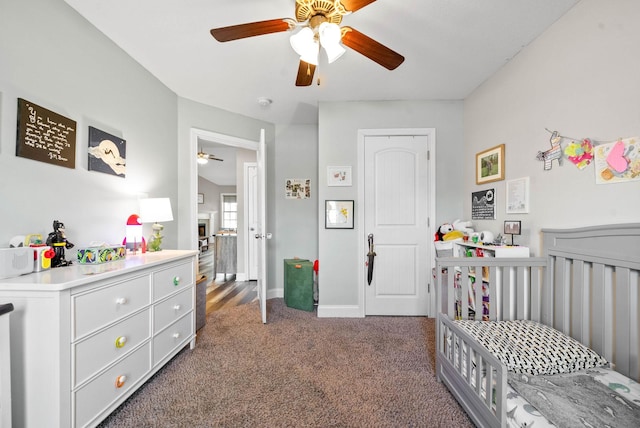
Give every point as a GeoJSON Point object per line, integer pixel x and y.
{"type": "Point", "coordinates": [224, 292]}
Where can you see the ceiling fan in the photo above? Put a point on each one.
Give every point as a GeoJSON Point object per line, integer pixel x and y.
{"type": "Point", "coordinates": [203, 157]}
{"type": "Point", "coordinates": [319, 21]}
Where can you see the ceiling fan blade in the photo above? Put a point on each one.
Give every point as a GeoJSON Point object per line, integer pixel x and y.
{"type": "Point", "coordinates": [305, 74]}
{"type": "Point", "coordinates": [353, 5]}
{"type": "Point", "coordinates": [241, 31]}
{"type": "Point", "coordinates": [371, 49]}
{"type": "Point", "coordinates": [212, 157]}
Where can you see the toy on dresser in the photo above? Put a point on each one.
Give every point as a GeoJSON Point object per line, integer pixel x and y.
{"type": "Point", "coordinates": [58, 240]}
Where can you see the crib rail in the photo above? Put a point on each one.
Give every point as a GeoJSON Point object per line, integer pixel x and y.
{"type": "Point", "coordinates": [596, 302]}
{"type": "Point", "coordinates": [502, 288]}
{"type": "Point", "coordinates": [591, 298]}
{"type": "Point", "coordinates": [475, 377]}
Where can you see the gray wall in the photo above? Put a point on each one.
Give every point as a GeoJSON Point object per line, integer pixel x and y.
{"type": "Point", "coordinates": [337, 145]}
{"type": "Point", "coordinates": [51, 56]}
{"type": "Point", "coordinates": [580, 78]}
{"type": "Point", "coordinates": [296, 221]}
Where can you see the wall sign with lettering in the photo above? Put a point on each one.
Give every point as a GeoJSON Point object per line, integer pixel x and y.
{"type": "Point", "coordinates": [45, 136]}
{"type": "Point", "coordinates": [483, 205]}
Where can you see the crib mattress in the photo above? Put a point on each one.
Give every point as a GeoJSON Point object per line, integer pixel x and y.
{"type": "Point", "coordinates": [521, 413]}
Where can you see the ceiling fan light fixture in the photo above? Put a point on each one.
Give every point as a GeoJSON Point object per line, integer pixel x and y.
{"type": "Point", "coordinates": [306, 45]}
{"type": "Point", "coordinates": [202, 158]}
{"type": "Point", "coordinates": [302, 40]}
{"type": "Point", "coordinates": [310, 57]}
{"type": "Point", "coordinates": [330, 35]}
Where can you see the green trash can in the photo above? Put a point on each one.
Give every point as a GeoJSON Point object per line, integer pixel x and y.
{"type": "Point", "coordinates": [298, 284]}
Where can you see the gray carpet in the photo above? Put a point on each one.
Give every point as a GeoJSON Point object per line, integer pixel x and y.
{"type": "Point", "coordinates": [298, 371]}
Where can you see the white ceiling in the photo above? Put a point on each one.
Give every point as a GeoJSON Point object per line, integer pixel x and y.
{"type": "Point", "coordinates": [450, 48]}
{"type": "Point", "coordinates": [221, 173]}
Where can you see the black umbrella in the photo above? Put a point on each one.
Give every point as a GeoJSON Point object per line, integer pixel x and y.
{"type": "Point", "coordinates": [370, 255]}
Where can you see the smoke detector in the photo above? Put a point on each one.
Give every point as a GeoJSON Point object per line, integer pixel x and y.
{"type": "Point", "coordinates": [264, 102]}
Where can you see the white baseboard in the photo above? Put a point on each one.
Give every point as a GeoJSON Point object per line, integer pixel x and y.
{"type": "Point", "coordinates": [278, 293]}
{"type": "Point", "coordinates": [339, 311]}
{"type": "Point", "coordinates": [241, 277]}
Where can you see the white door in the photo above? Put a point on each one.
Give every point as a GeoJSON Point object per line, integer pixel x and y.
{"type": "Point", "coordinates": [251, 204]}
{"type": "Point", "coordinates": [261, 234]}
{"type": "Point", "coordinates": [396, 212]}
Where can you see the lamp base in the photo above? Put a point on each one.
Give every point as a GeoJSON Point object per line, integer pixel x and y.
{"type": "Point", "coordinates": [155, 241]}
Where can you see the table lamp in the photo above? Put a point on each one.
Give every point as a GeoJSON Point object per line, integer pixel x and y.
{"type": "Point", "coordinates": [155, 210]}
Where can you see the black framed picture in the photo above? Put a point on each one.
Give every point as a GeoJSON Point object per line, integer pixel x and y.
{"type": "Point", "coordinates": [512, 227]}
{"type": "Point", "coordinates": [107, 153]}
{"type": "Point", "coordinates": [338, 214]}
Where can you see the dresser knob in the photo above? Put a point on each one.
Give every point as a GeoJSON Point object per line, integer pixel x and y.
{"type": "Point", "coordinates": [176, 280]}
{"type": "Point", "coordinates": [120, 380]}
{"type": "Point", "coordinates": [176, 307]}
{"type": "Point", "coordinates": [121, 301]}
{"type": "Point", "coordinates": [121, 341]}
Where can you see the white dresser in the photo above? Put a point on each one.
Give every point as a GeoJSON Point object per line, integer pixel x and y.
{"type": "Point", "coordinates": [85, 337]}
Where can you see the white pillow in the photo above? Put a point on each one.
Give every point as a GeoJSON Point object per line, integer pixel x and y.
{"type": "Point", "coordinates": [532, 348]}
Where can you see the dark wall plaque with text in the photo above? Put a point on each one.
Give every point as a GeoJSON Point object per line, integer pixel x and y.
{"type": "Point", "coordinates": [45, 136]}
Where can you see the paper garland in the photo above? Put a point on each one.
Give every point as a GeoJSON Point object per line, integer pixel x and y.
{"type": "Point", "coordinates": [615, 162]}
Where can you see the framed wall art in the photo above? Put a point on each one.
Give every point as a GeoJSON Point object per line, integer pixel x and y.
{"type": "Point", "coordinates": [107, 153]}
{"type": "Point", "coordinates": [483, 205]}
{"type": "Point", "coordinates": [518, 196]}
{"type": "Point", "coordinates": [44, 135]}
{"type": "Point", "coordinates": [339, 176]}
{"type": "Point", "coordinates": [338, 214]}
{"type": "Point", "coordinates": [490, 165]}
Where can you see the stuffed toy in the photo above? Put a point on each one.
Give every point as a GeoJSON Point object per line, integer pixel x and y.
{"type": "Point", "coordinates": [447, 232]}
{"type": "Point", "coordinates": [443, 230]}
{"type": "Point", "coordinates": [463, 226]}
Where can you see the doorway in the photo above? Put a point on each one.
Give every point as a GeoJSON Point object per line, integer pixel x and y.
{"type": "Point", "coordinates": [398, 195]}
{"type": "Point", "coordinates": [246, 153]}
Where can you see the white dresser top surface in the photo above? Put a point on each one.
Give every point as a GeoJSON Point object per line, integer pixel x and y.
{"type": "Point", "coordinates": [62, 278]}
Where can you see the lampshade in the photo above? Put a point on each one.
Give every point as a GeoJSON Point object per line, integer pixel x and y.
{"type": "Point", "coordinates": [330, 36]}
{"type": "Point", "coordinates": [202, 160]}
{"type": "Point", "coordinates": [305, 45]}
{"type": "Point", "coordinates": [155, 210]}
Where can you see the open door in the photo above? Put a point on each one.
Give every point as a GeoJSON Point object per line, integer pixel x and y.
{"type": "Point", "coordinates": [261, 233]}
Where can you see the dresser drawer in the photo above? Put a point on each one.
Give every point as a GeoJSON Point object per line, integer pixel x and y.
{"type": "Point", "coordinates": [168, 311]}
{"type": "Point", "coordinates": [100, 307]}
{"type": "Point", "coordinates": [94, 397]}
{"type": "Point", "coordinates": [174, 336]}
{"type": "Point", "coordinates": [94, 353]}
{"type": "Point", "coordinates": [172, 279]}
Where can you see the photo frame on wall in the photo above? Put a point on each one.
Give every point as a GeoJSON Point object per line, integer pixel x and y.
{"type": "Point", "coordinates": [339, 176]}
{"type": "Point", "coordinates": [490, 165]}
{"type": "Point", "coordinates": [518, 196]}
{"type": "Point", "coordinates": [338, 214]}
